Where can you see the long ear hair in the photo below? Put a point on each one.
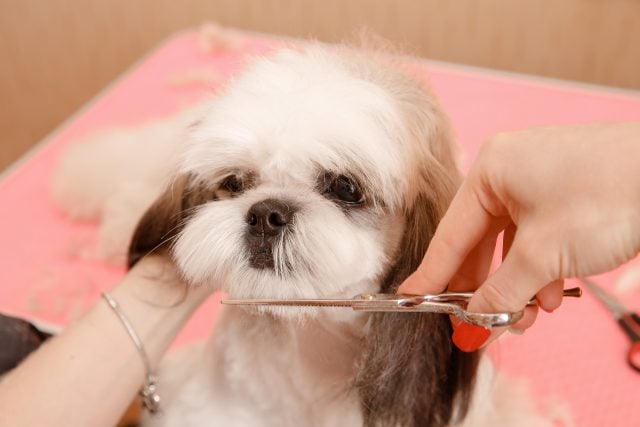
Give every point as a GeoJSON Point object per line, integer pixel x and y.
{"type": "Point", "coordinates": [163, 221]}
{"type": "Point", "coordinates": [411, 374]}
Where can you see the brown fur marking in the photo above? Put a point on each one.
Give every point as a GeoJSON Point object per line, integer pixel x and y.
{"type": "Point", "coordinates": [162, 222]}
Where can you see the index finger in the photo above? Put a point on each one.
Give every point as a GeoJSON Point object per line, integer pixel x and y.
{"type": "Point", "coordinates": [462, 227]}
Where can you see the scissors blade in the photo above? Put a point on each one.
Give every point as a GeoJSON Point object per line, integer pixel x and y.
{"type": "Point", "coordinates": [362, 302]}
{"type": "Point", "coordinates": [293, 302]}
{"type": "Point", "coordinates": [612, 303]}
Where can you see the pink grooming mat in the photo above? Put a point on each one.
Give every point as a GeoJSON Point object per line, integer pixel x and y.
{"type": "Point", "coordinates": [575, 356]}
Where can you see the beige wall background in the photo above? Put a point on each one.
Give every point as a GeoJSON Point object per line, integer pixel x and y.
{"type": "Point", "coordinates": [56, 54]}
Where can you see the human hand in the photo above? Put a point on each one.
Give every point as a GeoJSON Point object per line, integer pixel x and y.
{"type": "Point", "coordinates": [568, 201]}
{"type": "Point", "coordinates": [156, 280]}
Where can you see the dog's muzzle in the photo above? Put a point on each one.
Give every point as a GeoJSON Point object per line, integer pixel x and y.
{"type": "Point", "coordinates": [266, 221]}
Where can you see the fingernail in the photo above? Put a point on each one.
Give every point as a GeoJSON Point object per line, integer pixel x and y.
{"type": "Point", "coordinates": [468, 337]}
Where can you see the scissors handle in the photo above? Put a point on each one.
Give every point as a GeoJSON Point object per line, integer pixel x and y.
{"type": "Point", "coordinates": [633, 356]}
{"type": "Point", "coordinates": [630, 323]}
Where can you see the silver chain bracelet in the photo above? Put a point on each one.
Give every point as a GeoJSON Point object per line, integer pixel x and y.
{"type": "Point", "coordinates": [148, 392]}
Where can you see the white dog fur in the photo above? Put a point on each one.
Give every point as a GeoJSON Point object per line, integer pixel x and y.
{"type": "Point", "coordinates": [286, 130]}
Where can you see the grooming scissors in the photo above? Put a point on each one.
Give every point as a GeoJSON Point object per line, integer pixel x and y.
{"type": "Point", "coordinates": [453, 303]}
{"type": "Point", "coordinates": [627, 319]}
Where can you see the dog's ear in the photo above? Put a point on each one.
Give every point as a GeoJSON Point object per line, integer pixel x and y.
{"type": "Point", "coordinates": [411, 373]}
{"type": "Point", "coordinates": [164, 220]}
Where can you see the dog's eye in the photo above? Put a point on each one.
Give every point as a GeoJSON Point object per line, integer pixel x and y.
{"type": "Point", "coordinates": [345, 190]}
{"type": "Point", "coordinates": [233, 184]}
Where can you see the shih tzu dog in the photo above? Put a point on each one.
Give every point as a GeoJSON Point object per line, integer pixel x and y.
{"type": "Point", "coordinates": [318, 173]}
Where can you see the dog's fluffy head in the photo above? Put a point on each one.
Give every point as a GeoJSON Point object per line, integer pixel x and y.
{"type": "Point", "coordinates": [322, 173]}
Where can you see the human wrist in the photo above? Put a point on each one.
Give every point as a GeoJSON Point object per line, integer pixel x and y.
{"type": "Point", "coordinates": [158, 303]}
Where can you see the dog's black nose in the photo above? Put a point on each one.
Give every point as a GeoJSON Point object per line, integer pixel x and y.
{"type": "Point", "coordinates": [269, 217]}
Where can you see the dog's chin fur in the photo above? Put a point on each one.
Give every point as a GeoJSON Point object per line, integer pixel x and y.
{"type": "Point", "coordinates": [286, 128]}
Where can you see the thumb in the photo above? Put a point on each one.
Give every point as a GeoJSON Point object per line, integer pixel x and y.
{"type": "Point", "coordinates": [515, 282]}
{"type": "Point", "coordinates": [419, 283]}
{"type": "Point", "coordinates": [423, 281]}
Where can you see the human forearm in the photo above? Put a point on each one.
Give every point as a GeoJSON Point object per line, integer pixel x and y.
{"type": "Point", "coordinates": [89, 374]}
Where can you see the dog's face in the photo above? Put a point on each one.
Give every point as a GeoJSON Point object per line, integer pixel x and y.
{"type": "Point", "coordinates": [306, 169]}
{"type": "Point", "coordinates": [323, 174]}
{"type": "Point", "coordinates": [297, 182]}
{"type": "Point", "coordinates": [302, 172]}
